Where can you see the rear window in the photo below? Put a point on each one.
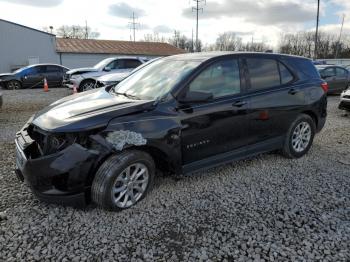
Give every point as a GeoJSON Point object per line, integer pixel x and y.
{"type": "Point", "coordinates": [263, 73]}
{"type": "Point", "coordinates": [306, 67]}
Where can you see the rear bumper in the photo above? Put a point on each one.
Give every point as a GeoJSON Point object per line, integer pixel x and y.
{"type": "Point", "coordinates": [59, 178]}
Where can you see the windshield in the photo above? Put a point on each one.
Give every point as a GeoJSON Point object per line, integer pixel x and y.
{"type": "Point", "coordinates": [103, 63]}
{"type": "Point", "coordinates": [20, 69]}
{"type": "Point", "coordinates": [156, 79]}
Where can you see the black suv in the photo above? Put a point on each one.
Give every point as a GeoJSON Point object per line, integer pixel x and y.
{"type": "Point", "coordinates": [178, 114]}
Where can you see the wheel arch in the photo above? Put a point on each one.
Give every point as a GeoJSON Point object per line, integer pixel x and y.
{"type": "Point", "coordinates": [312, 114]}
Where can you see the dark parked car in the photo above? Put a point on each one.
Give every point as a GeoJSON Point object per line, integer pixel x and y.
{"type": "Point", "coordinates": [33, 76]}
{"type": "Point", "coordinates": [337, 77]}
{"type": "Point", "coordinates": [178, 114]}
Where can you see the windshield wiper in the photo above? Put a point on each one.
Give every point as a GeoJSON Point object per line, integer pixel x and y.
{"type": "Point", "coordinates": [127, 95]}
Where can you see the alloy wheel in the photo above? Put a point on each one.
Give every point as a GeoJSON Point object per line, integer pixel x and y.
{"type": "Point", "coordinates": [130, 185]}
{"type": "Point", "coordinates": [301, 136]}
{"type": "Point", "coordinates": [12, 85]}
{"type": "Point", "coordinates": [89, 85]}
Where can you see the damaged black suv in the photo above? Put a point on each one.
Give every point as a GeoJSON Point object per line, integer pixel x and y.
{"type": "Point", "coordinates": [178, 114]}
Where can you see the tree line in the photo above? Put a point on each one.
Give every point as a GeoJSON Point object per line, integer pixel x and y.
{"type": "Point", "coordinates": [300, 43]}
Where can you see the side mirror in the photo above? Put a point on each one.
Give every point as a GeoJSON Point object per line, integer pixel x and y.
{"type": "Point", "coordinates": [196, 97]}
{"type": "Point", "coordinates": [107, 69]}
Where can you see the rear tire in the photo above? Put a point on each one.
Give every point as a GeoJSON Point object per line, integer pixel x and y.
{"type": "Point", "coordinates": [299, 137]}
{"type": "Point", "coordinates": [123, 180]}
{"type": "Point", "coordinates": [13, 85]}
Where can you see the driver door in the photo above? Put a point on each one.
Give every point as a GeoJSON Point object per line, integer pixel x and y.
{"type": "Point", "coordinates": [217, 126]}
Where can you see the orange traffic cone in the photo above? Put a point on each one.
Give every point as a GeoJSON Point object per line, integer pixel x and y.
{"type": "Point", "coordinates": [46, 86]}
{"type": "Point", "coordinates": [75, 89]}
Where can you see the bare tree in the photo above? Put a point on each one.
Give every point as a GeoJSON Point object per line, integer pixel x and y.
{"type": "Point", "coordinates": [302, 43]}
{"type": "Point", "coordinates": [154, 38]}
{"type": "Point", "coordinates": [228, 41]}
{"type": "Point", "coordinates": [74, 31]}
{"type": "Point", "coordinates": [181, 41]}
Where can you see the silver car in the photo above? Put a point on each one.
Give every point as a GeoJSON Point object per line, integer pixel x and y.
{"type": "Point", "coordinates": [84, 78]}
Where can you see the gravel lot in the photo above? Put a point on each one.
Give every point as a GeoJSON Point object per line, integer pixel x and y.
{"type": "Point", "coordinates": [267, 208]}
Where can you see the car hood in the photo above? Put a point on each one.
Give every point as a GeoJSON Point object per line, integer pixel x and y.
{"type": "Point", "coordinates": [81, 70]}
{"type": "Point", "coordinates": [5, 74]}
{"type": "Point", "coordinates": [113, 77]}
{"type": "Point", "coordinates": [86, 111]}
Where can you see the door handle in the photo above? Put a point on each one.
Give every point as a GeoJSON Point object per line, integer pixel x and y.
{"type": "Point", "coordinates": [292, 91]}
{"type": "Point", "coordinates": [239, 103]}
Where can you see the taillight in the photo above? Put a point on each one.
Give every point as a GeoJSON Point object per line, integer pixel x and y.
{"type": "Point", "coordinates": [324, 86]}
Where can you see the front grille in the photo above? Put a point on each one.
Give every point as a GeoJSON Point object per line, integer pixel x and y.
{"type": "Point", "coordinates": [346, 96]}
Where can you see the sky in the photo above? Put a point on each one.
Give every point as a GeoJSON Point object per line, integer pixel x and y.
{"type": "Point", "coordinates": [257, 20]}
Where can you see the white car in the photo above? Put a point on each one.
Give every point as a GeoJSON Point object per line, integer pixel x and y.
{"type": "Point", "coordinates": [84, 78]}
{"type": "Point", "coordinates": [345, 100]}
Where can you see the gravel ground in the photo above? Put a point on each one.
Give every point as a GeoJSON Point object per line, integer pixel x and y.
{"type": "Point", "coordinates": [267, 208]}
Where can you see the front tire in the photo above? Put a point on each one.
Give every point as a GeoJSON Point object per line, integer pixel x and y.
{"type": "Point", "coordinates": [87, 85]}
{"type": "Point", "coordinates": [123, 180]}
{"type": "Point", "coordinates": [13, 85]}
{"type": "Point", "coordinates": [299, 137]}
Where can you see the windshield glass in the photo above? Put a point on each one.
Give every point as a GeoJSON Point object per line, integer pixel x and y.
{"type": "Point", "coordinates": [20, 69]}
{"type": "Point", "coordinates": [102, 64]}
{"type": "Point", "coordinates": [156, 79]}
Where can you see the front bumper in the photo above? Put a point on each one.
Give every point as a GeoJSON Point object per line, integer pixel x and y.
{"type": "Point", "coordinates": [57, 178]}
{"type": "Point", "coordinates": [344, 104]}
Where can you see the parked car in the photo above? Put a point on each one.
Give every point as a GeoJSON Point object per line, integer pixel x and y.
{"type": "Point", "coordinates": [84, 78]}
{"type": "Point", "coordinates": [116, 78]}
{"type": "Point", "coordinates": [33, 76]}
{"type": "Point", "coordinates": [345, 100]}
{"type": "Point", "coordinates": [179, 114]}
{"type": "Point", "coordinates": [337, 77]}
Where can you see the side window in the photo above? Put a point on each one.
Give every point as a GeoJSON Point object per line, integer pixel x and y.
{"type": "Point", "coordinates": [41, 69]}
{"type": "Point", "coordinates": [114, 64]}
{"type": "Point", "coordinates": [328, 72]}
{"type": "Point", "coordinates": [221, 79]}
{"type": "Point", "coordinates": [286, 75]}
{"type": "Point", "coordinates": [131, 63]}
{"type": "Point", "coordinates": [52, 69]}
{"type": "Point", "coordinates": [263, 73]}
{"type": "Point", "coordinates": [340, 72]}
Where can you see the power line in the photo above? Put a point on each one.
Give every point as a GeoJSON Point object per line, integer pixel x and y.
{"type": "Point", "coordinates": [133, 25]}
{"type": "Point", "coordinates": [340, 34]}
{"type": "Point", "coordinates": [198, 8]}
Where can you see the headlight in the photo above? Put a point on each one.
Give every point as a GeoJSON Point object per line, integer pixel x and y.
{"type": "Point", "coordinates": [76, 77]}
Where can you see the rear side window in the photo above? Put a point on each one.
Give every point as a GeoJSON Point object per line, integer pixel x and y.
{"type": "Point", "coordinates": [131, 63]}
{"type": "Point", "coordinates": [340, 72]}
{"type": "Point", "coordinates": [286, 75]}
{"type": "Point", "coordinates": [263, 73]}
{"type": "Point", "coordinates": [52, 69]}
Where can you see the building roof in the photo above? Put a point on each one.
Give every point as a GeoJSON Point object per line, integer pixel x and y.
{"type": "Point", "coordinates": [27, 27]}
{"type": "Point", "coordinates": [93, 46]}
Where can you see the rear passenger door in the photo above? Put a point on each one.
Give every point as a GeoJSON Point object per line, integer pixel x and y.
{"type": "Point", "coordinates": [328, 74]}
{"type": "Point", "coordinates": [274, 99]}
{"type": "Point", "coordinates": [341, 78]}
{"type": "Point", "coordinates": [53, 75]}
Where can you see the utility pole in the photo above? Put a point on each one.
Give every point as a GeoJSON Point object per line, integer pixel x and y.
{"type": "Point", "coordinates": [133, 24]}
{"type": "Point", "coordinates": [340, 33]}
{"type": "Point", "coordinates": [316, 34]}
{"type": "Point", "coordinates": [192, 43]}
{"type": "Point", "coordinates": [86, 30]}
{"type": "Point", "coordinates": [197, 8]}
